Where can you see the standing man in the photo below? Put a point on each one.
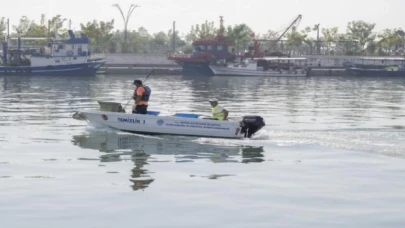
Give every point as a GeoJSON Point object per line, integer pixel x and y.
{"type": "Point", "coordinates": [141, 98]}
{"type": "Point", "coordinates": [218, 112]}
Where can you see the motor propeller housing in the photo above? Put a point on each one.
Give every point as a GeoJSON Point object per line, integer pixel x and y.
{"type": "Point", "coordinates": [251, 124]}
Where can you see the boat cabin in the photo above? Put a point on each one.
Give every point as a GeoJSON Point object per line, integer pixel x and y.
{"type": "Point", "coordinates": [271, 63]}
{"type": "Point", "coordinates": [378, 62]}
{"type": "Point", "coordinates": [216, 48]}
{"type": "Point", "coordinates": [63, 52]}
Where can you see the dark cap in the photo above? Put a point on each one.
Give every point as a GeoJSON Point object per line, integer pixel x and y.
{"type": "Point", "coordinates": [139, 82]}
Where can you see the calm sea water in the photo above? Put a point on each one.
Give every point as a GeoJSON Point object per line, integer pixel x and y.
{"type": "Point", "coordinates": [332, 155]}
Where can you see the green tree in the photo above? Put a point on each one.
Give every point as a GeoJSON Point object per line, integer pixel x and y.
{"type": "Point", "coordinates": [29, 28]}
{"type": "Point", "coordinates": [203, 31]}
{"type": "Point", "coordinates": [37, 30]}
{"type": "Point", "coordinates": [362, 32]}
{"type": "Point", "coordinates": [330, 37]}
{"type": "Point", "coordinates": [3, 28]}
{"type": "Point", "coordinates": [188, 49]}
{"type": "Point", "coordinates": [160, 39]}
{"type": "Point", "coordinates": [207, 30]}
{"type": "Point", "coordinates": [99, 33]}
{"type": "Point", "coordinates": [180, 43]}
{"type": "Point", "coordinates": [56, 25]}
{"type": "Point", "coordinates": [240, 35]}
{"type": "Point", "coordinates": [270, 35]}
{"type": "Point", "coordinates": [371, 47]}
{"type": "Point", "coordinates": [192, 35]}
{"type": "Point", "coordinates": [295, 39]}
{"type": "Point", "coordinates": [138, 41]}
{"type": "Point", "coordinates": [23, 27]}
{"type": "Point", "coordinates": [390, 38]}
{"type": "Point", "coordinates": [300, 40]}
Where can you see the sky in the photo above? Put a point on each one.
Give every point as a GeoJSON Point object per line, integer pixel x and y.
{"type": "Point", "coordinates": [260, 15]}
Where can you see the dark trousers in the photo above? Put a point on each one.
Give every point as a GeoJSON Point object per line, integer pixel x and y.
{"type": "Point", "coordinates": [141, 109]}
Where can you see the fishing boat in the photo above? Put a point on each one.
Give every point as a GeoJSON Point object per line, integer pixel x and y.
{"type": "Point", "coordinates": [204, 51]}
{"type": "Point", "coordinates": [208, 52]}
{"type": "Point", "coordinates": [384, 67]}
{"type": "Point", "coordinates": [266, 66]}
{"type": "Point", "coordinates": [112, 115]}
{"type": "Point", "coordinates": [58, 57]}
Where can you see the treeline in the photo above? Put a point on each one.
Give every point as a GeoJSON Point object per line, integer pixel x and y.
{"type": "Point", "coordinates": [105, 39]}
{"type": "Point", "coordinates": [359, 38]}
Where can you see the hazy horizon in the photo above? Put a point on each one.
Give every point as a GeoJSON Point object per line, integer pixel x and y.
{"type": "Point", "coordinates": [158, 15]}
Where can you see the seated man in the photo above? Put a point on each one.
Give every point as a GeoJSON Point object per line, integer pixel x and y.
{"type": "Point", "coordinates": [218, 112]}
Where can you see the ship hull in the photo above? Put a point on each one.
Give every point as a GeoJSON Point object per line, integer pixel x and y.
{"type": "Point", "coordinates": [89, 68]}
{"type": "Point", "coordinates": [195, 68]}
{"type": "Point", "coordinates": [375, 72]}
{"type": "Point", "coordinates": [238, 71]}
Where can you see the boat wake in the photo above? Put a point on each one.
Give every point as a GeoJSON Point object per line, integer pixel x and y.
{"type": "Point", "coordinates": [380, 141]}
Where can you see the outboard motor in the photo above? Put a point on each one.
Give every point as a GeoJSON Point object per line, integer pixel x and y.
{"type": "Point", "coordinates": [251, 124]}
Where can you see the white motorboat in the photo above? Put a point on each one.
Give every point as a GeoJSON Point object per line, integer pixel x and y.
{"type": "Point", "coordinates": [266, 66]}
{"type": "Point", "coordinates": [112, 115]}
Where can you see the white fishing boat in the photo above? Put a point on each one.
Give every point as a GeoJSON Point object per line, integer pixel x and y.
{"type": "Point", "coordinates": [266, 66]}
{"type": "Point", "coordinates": [65, 57]}
{"type": "Point", "coordinates": [112, 115]}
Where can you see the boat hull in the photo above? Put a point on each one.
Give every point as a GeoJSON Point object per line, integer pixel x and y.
{"type": "Point", "coordinates": [239, 71]}
{"type": "Point", "coordinates": [375, 72]}
{"type": "Point", "coordinates": [89, 68]}
{"type": "Point", "coordinates": [163, 125]}
{"type": "Point", "coordinates": [196, 68]}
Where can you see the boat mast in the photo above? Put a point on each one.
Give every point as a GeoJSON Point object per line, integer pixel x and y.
{"type": "Point", "coordinates": [221, 28]}
{"type": "Point", "coordinates": [296, 21]}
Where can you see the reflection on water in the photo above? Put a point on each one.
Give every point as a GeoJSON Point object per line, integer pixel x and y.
{"type": "Point", "coordinates": [118, 147]}
{"type": "Point", "coordinates": [252, 155]}
{"type": "Point", "coordinates": [140, 177]}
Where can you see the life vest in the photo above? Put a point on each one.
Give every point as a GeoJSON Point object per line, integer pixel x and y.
{"type": "Point", "coordinates": [145, 95]}
{"type": "Point", "coordinates": [218, 114]}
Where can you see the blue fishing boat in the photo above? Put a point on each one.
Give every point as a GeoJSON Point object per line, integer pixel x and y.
{"type": "Point", "coordinates": [384, 67]}
{"type": "Point", "coordinates": [58, 57]}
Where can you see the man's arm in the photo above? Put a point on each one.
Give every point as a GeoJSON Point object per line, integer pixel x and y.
{"type": "Point", "coordinates": [225, 114]}
{"type": "Point", "coordinates": [139, 93]}
{"type": "Point", "coordinates": [138, 99]}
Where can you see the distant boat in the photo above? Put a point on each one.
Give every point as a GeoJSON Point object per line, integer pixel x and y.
{"type": "Point", "coordinates": [57, 57]}
{"type": "Point", "coordinates": [265, 66]}
{"type": "Point", "coordinates": [389, 67]}
{"type": "Point", "coordinates": [210, 50]}
{"type": "Point", "coordinates": [205, 51]}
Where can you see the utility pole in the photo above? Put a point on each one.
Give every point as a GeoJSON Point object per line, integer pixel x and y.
{"type": "Point", "coordinates": [318, 47]}
{"type": "Point", "coordinates": [8, 29]}
{"type": "Point", "coordinates": [126, 18]}
{"type": "Point", "coordinates": [49, 27]}
{"type": "Point", "coordinates": [174, 37]}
